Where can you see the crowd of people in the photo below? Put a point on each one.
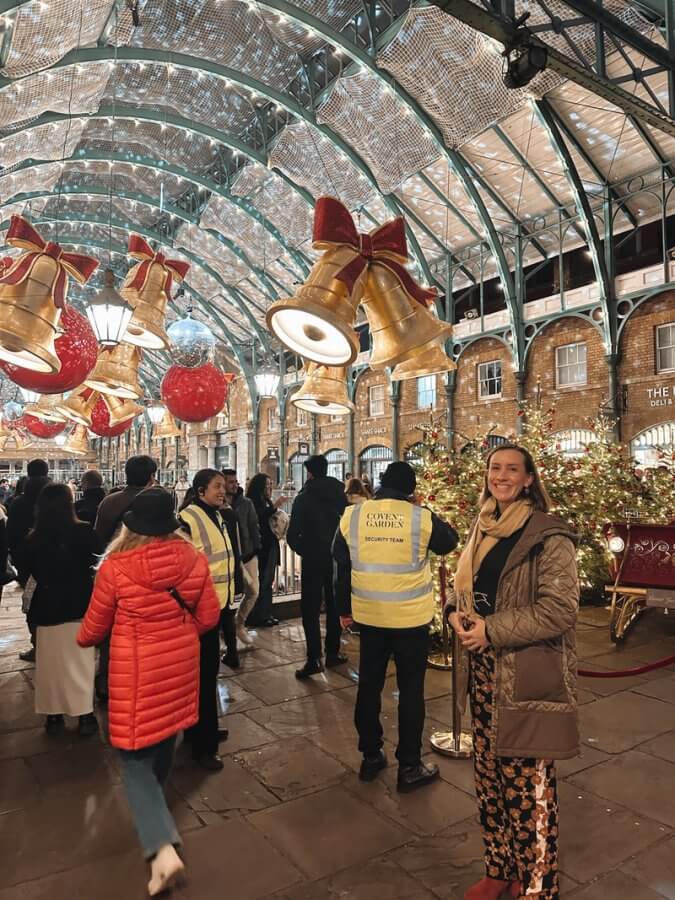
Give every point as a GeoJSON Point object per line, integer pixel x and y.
{"type": "Point", "coordinates": [151, 582]}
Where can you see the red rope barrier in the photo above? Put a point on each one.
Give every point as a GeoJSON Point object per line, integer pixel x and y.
{"type": "Point", "coordinates": [623, 673]}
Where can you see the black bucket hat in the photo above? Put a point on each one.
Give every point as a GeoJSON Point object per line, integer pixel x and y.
{"type": "Point", "coordinates": [152, 513]}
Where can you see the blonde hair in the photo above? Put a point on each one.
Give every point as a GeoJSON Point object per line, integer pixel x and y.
{"type": "Point", "coordinates": [126, 539]}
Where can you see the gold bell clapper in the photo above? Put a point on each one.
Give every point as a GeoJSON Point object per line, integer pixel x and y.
{"type": "Point", "coordinates": [33, 292]}
{"type": "Point", "coordinates": [45, 408]}
{"type": "Point", "coordinates": [121, 410]}
{"type": "Point", "coordinates": [78, 407]}
{"type": "Point", "coordinates": [399, 318]}
{"type": "Point", "coordinates": [116, 372]}
{"type": "Point", "coordinates": [324, 391]}
{"type": "Point", "coordinates": [78, 442]}
{"type": "Point", "coordinates": [429, 360]}
{"type": "Point", "coordinates": [147, 289]}
{"type": "Point", "coordinates": [167, 428]}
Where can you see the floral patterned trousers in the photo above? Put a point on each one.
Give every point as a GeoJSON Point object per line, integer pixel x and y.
{"type": "Point", "coordinates": [517, 800]}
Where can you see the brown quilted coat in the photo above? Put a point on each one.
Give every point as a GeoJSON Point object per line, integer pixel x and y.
{"type": "Point", "coordinates": [532, 632]}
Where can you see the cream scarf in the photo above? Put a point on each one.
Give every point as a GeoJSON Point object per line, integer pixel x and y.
{"type": "Point", "coordinates": [486, 533]}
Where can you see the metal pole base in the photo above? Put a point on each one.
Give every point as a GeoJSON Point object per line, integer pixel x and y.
{"type": "Point", "coordinates": [445, 743]}
{"type": "Point", "coordinates": [439, 660]}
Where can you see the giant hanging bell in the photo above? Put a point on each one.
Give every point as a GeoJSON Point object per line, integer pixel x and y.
{"type": "Point", "coordinates": [78, 407]}
{"type": "Point", "coordinates": [147, 288]}
{"type": "Point", "coordinates": [167, 428]}
{"type": "Point", "coordinates": [45, 408]}
{"type": "Point", "coordinates": [116, 372]}
{"type": "Point", "coordinates": [78, 442]}
{"type": "Point", "coordinates": [32, 294]}
{"type": "Point", "coordinates": [324, 391]}
{"type": "Point", "coordinates": [429, 360]}
{"type": "Point", "coordinates": [121, 410]}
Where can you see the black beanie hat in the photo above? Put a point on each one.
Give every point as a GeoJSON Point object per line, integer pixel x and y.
{"type": "Point", "coordinates": [399, 476]}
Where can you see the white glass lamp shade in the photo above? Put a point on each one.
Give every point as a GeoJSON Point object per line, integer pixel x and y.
{"type": "Point", "coordinates": [60, 439]}
{"type": "Point", "coordinates": [267, 381]}
{"type": "Point", "coordinates": [156, 413]}
{"type": "Point", "coordinates": [30, 396]}
{"type": "Point", "coordinates": [109, 314]}
{"type": "Point", "coordinates": [312, 337]}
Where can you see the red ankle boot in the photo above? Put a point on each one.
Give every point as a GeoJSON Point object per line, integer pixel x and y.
{"type": "Point", "coordinates": [488, 889]}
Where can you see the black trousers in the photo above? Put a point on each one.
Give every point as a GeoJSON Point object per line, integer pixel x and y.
{"type": "Point", "coordinates": [409, 647]}
{"type": "Point", "coordinates": [228, 626]}
{"type": "Point", "coordinates": [204, 735]}
{"type": "Point", "coordinates": [317, 585]}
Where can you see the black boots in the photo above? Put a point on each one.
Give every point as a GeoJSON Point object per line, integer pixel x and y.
{"type": "Point", "coordinates": [311, 667]}
{"type": "Point", "coordinates": [372, 765]}
{"type": "Point", "coordinates": [412, 777]}
{"type": "Point", "coordinates": [336, 659]}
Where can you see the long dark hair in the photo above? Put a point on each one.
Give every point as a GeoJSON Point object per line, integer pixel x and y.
{"type": "Point", "coordinates": [537, 493]}
{"type": "Point", "coordinates": [54, 512]}
{"type": "Point", "coordinates": [200, 482]}
{"type": "Point", "coordinates": [256, 489]}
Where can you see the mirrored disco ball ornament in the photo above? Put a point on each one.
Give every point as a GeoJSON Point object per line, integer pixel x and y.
{"type": "Point", "coordinates": [12, 411]}
{"type": "Point", "coordinates": [192, 344]}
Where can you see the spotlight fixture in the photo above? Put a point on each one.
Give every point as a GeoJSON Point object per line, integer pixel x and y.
{"type": "Point", "coordinates": [523, 63]}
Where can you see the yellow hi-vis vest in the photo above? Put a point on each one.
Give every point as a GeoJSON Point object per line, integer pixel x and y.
{"type": "Point", "coordinates": [392, 585]}
{"type": "Point", "coordinates": [215, 543]}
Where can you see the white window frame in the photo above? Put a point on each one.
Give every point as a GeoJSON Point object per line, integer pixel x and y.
{"type": "Point", "coordinates": [426, 391]}
{"type": "Point", "coordinates": [563, 352]}
{"type": "Point", "coordinates": [377, 396]}
{"type": "Point", "coordinates": [484, 379]}
{"type": "Point", "coordinates": [301, 416]}
{"type": "Point", "coordinates": [669, 345]}
{"type": "Point", "coordinates": [272, 419]}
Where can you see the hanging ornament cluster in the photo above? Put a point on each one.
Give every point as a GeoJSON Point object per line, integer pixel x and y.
{"type": "Point", "coordinates": [355, 269]}
{"type": "Point", "coordinates": [194, 395]}
{"type": "Point", "coordinates": [33, 292]}
{"type": "Point", "coordinates": [147, 289]}
{"type": "Point", "coordinates": [192, 344]}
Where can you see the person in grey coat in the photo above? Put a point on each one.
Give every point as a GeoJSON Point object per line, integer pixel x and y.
{"type": "Point", "coordinates": [250, 541]}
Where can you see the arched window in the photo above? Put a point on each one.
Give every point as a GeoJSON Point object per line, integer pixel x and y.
{"type": "Point", "coordinates": [645, 446]}
{"type": "Point", "coordinates": [373, 461]}
{"type": "Point", "coordinates": [297, 473]}
{"type": "Point", "coordinates": [337, 463]}
{"type": "Point", "coordinates": [572, 441]}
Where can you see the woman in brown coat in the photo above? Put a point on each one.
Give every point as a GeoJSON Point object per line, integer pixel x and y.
{"type": "Point", "coordinates": [517, 595]}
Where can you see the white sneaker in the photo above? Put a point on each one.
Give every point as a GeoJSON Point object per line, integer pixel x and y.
{"type": "Point", "coordinates": [166, 867]}
{"type": "Point", "coordinates": [243, 634]}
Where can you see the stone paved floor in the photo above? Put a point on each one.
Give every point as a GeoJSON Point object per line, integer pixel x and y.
{"type": "Point", "coordinates": [287, 817]}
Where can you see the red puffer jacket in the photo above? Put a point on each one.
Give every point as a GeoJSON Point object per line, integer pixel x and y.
{"type": "Point", "coordinates": [153, 680]}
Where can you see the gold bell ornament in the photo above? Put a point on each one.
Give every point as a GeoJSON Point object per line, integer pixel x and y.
{"type": "Point", "coordinates": [120, 410]}
{"type": "Point", "coordinates": [318, 322]}
{"type": "Point", "coordinates": [78, 407]}
{"type": "Point", "coordinates": [33, 292]}
{"type": "Point", "coordinates": [324, 391]}
{"type": "Point", "coordinates": [11, 441]}
{"type": "Point", "coordinates": [116, 372]}
{"type": "Point", "coordinates": [147, 289]}
{"type": "Point", "coordinates": [167, 428]}
{"type": "Point", "coordinates": [45, 408]}
{"type": "Point", "coordinates": [430, 360]}
{"type": "Point", "coordinates": [78, 442]}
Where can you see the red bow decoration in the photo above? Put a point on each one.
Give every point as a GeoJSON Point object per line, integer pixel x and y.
{"type": "Point", "coordinates": [140, 249]}
{"type": "Point", "coordinates": [384, 246]}
{"type": "Point", "coordinates": [5, 263]}
{"type": "Point", "coordinates": [22, 234]}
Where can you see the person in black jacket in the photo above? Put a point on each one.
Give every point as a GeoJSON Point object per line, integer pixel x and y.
{"type": "Point", "coordinates": [60, 554]}
{"type": "Point", "coordinates": [20, 517]}
{"type": "Point", "coordinates": [314, 520]}
{"type": "Point", "coordinates": [91, 486]}
{"type": "Point", "coordinates": [259, 492]}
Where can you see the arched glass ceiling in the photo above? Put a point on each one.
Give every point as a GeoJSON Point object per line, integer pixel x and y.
{"type": "Point", "coordinates": [216, 124]}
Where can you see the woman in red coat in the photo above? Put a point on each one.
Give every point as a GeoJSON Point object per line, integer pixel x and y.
{"type": "Point", "coordinates": [154, 596]}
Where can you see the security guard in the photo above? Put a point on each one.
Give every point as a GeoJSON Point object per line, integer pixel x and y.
{"type": "Point", "coordinates": [384, 583]}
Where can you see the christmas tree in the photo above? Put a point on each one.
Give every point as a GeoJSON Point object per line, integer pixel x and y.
{"type": "Point", "coordinates": [600, 486]}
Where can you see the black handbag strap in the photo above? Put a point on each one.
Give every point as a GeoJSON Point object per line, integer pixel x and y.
{"type": "Point", "coordinates": [181, 602]}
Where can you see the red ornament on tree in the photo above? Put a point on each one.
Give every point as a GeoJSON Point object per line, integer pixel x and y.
{"type": "Point", "coordinates": [41, 429]}
{"type": "Point", "coordinates": [194, 395]}
{"type": "Point", "coordinates": [100, 421]}
{"type": "Point", "coordinates": [77, 350]}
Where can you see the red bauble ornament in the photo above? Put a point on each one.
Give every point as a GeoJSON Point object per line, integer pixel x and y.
{"type": "Point", "coordinates": [431, 498]}
{"type": "Point", "coordinates": [194, 395]}
{"type": "Point", "coordinates": [41, 429]}
{"type": "Point", "coordinates": [434, 434]}
{"type": "Point", "coordinates": [100, 421]}
{"type": "Point", "coordinates": [76, 348]}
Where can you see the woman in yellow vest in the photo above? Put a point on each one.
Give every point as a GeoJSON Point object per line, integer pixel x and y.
{"type": "Point", "coordinates": [201, 518]}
